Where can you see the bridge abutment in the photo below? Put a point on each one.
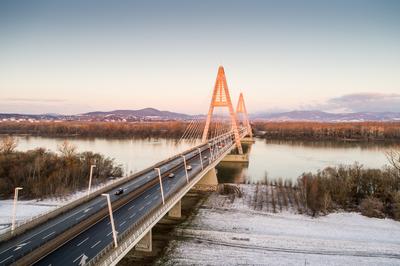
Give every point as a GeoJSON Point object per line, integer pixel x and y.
{"type": "Point", "coordinates": [146, 243]}
{"type": "Point", "coordinates": [176, 211]}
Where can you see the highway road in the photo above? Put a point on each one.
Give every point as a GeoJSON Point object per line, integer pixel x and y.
{"type": "Point", "coordinates": [89, 243]}
{"type": "Point", "coordinates": [15, 248]}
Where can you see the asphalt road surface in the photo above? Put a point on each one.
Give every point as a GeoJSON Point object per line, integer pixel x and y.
{"type": "Point", "coordinates": [98, 236]}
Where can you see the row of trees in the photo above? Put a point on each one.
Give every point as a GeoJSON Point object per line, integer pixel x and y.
{"type": "Point", "coordinates": [361, 131]}
{"type": "Point", "coordinates": [170, 129]}
{"type": "Point", "coordinates": [47, 174]}
{"type": "Point", "coordinates": [374, 192]}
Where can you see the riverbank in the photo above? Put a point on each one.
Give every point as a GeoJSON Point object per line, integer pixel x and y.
{"type": "Point", "coordinates": [230, 230]}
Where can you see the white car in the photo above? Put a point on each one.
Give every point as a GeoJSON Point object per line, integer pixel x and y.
{"type": "Point", "coordinates": [171, 175]}
{"type": "Point", "coordinates": [189, 168]}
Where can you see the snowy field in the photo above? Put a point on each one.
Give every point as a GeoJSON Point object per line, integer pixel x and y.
{"type": "Point", "coordinates": [29, 209]}
{"type": "Point", "coordinates": [230, 233]}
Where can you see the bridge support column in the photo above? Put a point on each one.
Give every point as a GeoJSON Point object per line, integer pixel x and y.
{"type": "Point", "coordinates": [239, 158]}
{"type": "Point", "coordinates": [208, 182]}
{"type": "Point", "coordinates": [247, 140]}
{"type": "Point", "coordinates": [145, 244]}
{"type": "Point", "coordinates": [175, 212]}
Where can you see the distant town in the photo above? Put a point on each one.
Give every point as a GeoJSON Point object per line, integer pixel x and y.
{"type": "Point", "coordinates": [153, 115]}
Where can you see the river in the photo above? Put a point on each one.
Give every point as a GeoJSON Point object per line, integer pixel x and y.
{"type": "Point", "coordinates": [286, 159]}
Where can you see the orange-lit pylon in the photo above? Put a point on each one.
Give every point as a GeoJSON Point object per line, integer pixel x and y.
{"type": "Point", "coordinates": [241, 108]}
{"type": "Point", "coordinates": [221, 98]}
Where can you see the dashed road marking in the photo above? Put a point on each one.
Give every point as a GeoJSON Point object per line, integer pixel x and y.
{"type": "Point", "coordinates": [82, 241]}
{"type": "Point", "coordinates": [6, 259]}
{"type": "Point", "coordinates": [80, 217]}
{"type": "Point", "coordinates": [98, 242]}
{"type": "Point", "coordinates": [52, 233]}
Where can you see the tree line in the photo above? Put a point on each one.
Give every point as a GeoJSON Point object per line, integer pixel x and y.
{"type": "Point", "coordinates": [169, 129]}
{"type": "Point", "coordinates": [44, 174]}
{"type": "Point", "coordinates": [349, 131]}
{"type": "Point", "coordinates": [373, 192]}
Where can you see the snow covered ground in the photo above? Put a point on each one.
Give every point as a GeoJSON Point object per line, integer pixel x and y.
{"type": "Point", "coordinates": [28, 209]}
{"type": "Point", "coordinates": [231, 233]}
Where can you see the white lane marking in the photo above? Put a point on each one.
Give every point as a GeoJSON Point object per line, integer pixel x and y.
{"type": "Point", "coordinates": [147, 196]}
{"type": "Point", "coordinates": [6, 259]}
{"type": "Point", "coordinates": [121, 224]}
{"type": "Point", "coordinates": [109, 233]}
{"type": "Point", "coordinates": [79, 257]}
{"type": "Point", "coordinates": [88, 209]}
{"type": "Point", "coordinates": [108, 223]}
{"type": "Point", "coordinates": [133, 206]}
{"type": "Point", "coordinates": [52, 233]}
{"type": "Point", "coordinates": [155, 197]}
{"type": "Point", "coordinates": [20, 245]}
{"type": "Point", "coordinates": [141, 208]}
{"type": "Point", "coordinates": [83, 241]}
{"type": "Point", "coordinates": [83, 260]}
{"type": "Point", "coordinates": [133, 215]}
{"type": "Point", "coordinates": [80, 217]}
{"type": "Point", "coordinates": [98, 242]}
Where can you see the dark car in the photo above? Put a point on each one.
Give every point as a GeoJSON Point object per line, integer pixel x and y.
{"type": "Point", "coordinates": [119, 191]}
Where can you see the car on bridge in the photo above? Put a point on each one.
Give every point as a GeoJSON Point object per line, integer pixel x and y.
{"type": "Point", "coordinates": [119, 191]}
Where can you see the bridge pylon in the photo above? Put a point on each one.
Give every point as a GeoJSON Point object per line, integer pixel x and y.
{"type": "Point", "coordinates": [241, 109]}
{"type": "Point", "coordinates": [221, 98]}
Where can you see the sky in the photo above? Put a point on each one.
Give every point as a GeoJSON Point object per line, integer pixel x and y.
{"type": "Point", "coordinates": [72, 56]}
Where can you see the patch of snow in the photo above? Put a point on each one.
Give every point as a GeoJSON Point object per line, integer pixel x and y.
{"type": "Point", "coordinates": [31, 209]}
{"type": "Point", "coordinates": [231, 233]}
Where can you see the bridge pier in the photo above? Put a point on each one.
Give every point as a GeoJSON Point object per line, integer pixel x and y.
{"type": "Point", "coordinates": [176, 211]}
{"type": "Point", "coordinates": [146, 243]}
{"type": "Point", "coordinates": [208, 182]}
{"type": "Point", "coordinates": [247, 140]}
{"type": "Point", "coordinates": [240, 158]}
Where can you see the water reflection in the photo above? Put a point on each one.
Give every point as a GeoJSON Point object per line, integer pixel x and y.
{"type": "Point", "coordinates": [286, 159]}
{"type": "Point", "coordinates": [289, 159]}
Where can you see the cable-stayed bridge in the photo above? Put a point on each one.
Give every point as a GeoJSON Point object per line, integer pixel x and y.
{"type": "Point", "coordinates": [103, 227]}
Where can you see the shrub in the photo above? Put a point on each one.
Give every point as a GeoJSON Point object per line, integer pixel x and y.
{"type": "Point", "coordinates": [372, 207]}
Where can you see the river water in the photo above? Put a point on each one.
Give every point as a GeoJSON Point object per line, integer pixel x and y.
{"type": "Point", "coordinates": [286, 159]}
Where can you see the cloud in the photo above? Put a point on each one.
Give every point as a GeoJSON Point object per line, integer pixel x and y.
{"type": "Point", "coordinates": [360, 102]}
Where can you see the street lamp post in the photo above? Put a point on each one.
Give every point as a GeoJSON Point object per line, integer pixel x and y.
{"type": "Point", "coordinates": [201, 159]}
{"type": "Point", "coordinates": [161, 187]}
{"type": "Point", "coordinates": [15, 207]}
{"type": "Point", "coordinates": [90, 178]}
{"type": "Point", "coordinates": [186, 172]}
{"type": "Point", "coordinates": [111, 218]}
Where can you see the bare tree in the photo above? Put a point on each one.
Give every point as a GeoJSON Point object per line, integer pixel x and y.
{"type": "Point", "coordinates": [67, 149]}
{"type": "Point", "coordinates": [393, 157]}
{"type": "Point", "coordinates": [8, 144]}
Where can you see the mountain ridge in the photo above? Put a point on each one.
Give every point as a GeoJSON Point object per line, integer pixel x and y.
{"type": "Point", "coordinates": [152, 114]}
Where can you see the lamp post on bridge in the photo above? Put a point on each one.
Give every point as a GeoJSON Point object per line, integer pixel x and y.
{"type": "Point", "coordinates": [15, 207]}
{"type": "Point", "coordinates": [90, 178]}
{"type": "Point", "coordinates": [186, 172]}
{"type": "Point", "coordinates": [111, 219]}
{"type": "Point", "coordinates": [201, 159]}
{"type": "Point", "coordinates": [161, 187]}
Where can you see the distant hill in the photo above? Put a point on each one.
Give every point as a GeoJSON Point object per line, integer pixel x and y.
{"type": "Point", "coordinates": [327, 117]}
{"type": "Point", "coordinates": [139, 114]}
{"type": "Point", "coordinates": [152, 114]}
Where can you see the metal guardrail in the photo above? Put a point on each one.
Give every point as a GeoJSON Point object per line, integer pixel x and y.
{"type": "Point", "coordinates": [136, 231]}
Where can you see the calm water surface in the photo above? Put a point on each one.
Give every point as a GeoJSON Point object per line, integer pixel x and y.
{"type": "Point", "coordinates": [284, 159]}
